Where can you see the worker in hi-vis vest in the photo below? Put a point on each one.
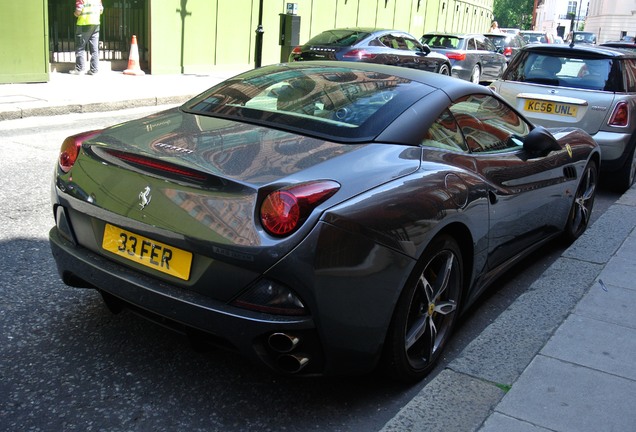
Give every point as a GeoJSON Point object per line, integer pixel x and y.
{"type": "Point", "coordinates": [88, 13]}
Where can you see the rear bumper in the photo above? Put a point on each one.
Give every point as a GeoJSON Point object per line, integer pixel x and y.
{"type": "Point", "coordinates": [614, 148]}
{"type": "Point", "coordinates": [243, 330]}
{"type": "Point", "coordinates": [460, 72]}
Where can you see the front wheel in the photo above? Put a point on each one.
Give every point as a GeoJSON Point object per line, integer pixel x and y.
{"type": "Point", "coordinates": [579, 216]}
{"type": "Point", "coordinates": [426, 312]}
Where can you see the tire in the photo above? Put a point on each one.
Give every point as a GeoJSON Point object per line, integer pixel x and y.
{"type": "Point", "coordinates": [625, 176]}
{"type": "Point", "coordinates": [444, 70]}
{"type": "Point", "coordinates": [581, 210]}
{"type": "Point", "coordinates": [426, 312]}
{"type": "Point", "coordinates": [475, 76]}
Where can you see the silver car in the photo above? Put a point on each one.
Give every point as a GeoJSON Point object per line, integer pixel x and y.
{"type": "Point", "coordinates": [590, 87]}
{"type": "Point", "coordinates": [473, 57]}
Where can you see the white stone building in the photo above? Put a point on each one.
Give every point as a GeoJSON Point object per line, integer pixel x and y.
{"type": "Point", "coordinates": [558, 16]}
{"type": "Point", "coordinates": [609, 19]}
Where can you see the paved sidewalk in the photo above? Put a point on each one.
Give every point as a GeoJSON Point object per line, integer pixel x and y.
{"type": "Point", "coordinates": [561, 358]}
{"type": "Point", "coordinates": [584, 378]}
{"type": "Point", "coordinates": [107, 91]}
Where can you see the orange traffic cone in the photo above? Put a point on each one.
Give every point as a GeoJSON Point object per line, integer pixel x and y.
{"type": "Point", "coordinates": [133, 59]}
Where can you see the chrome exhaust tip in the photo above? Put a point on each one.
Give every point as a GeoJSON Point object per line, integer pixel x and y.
{"type": "Point", "coordinates": [292, 363]}
{"type": "Point", "coordinates": [282, 342]}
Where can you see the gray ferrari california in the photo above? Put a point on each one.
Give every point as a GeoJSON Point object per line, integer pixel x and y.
{"type": "Point", "coordinates": [318, 217]}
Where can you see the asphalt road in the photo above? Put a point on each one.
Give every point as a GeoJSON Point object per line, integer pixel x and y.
{"type": "Point", "coordinates": [67, 364]}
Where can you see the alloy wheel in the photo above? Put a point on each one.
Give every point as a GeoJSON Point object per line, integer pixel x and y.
{"type": "Point", "coordinates": [475, 76]}
{"type": "Point", "coordinates": [581, 211]}
{"type": "Point", "coordinates": [427, 312]}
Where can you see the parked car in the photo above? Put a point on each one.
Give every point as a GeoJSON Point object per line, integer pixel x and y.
{"type": "Point", "coordinates": [318, 217]}
{"type": "Point", "coordinates": [473, 57]}
{"type": "Point", "coordinates": [371, 45]}
{"type": "Point", "coordinates": [507, 44]}
{"type": "Point", "coordinates": [531, 36]}
{"type": "Point", "coordinates": [620, 44]}
{"type": "Point", "coordinates": [591, 87]}
{"type": "Point", "coordinates": [581, 37]}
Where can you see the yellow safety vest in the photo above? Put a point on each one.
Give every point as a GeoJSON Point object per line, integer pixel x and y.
{"type": "Point", "coordinates": [90, 14]}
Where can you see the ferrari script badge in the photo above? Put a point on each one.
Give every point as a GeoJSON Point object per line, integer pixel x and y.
{"type": "Point", "coordinates": [144, 198]}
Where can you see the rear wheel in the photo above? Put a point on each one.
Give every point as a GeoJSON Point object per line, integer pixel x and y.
{"type": "Point", "coordinates": [444, 70]}
{"type": "Point", "coordinates": [624, 177]}
{"type": "Point", "coordinates": [426, 312]}
{"type": "Point", "coordinates": [581, 210]}
{"type": "Point", "coordinates": [475, 75]}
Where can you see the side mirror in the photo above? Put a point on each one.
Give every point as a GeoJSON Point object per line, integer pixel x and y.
{"type": "Point", "coordinates": [540, 142]}
{"type": "Point", "coordinates": [425, 49]}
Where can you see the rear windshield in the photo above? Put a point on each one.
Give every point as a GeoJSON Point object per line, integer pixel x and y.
{"type": "Point", "coordinates": [565, 71]}
{"type": "Point", "coordinates": [441, 41]}
{"type": "Point", "coordinates": [336, 103]}
{"type": "Point", "coordinates": [534, 37]}
{"type": "Point", "coordinates": [338, 37]}
{"type": "Point", "coordinates": [585, 37]}
{"type": "Point", "coordinates": [499, 41]}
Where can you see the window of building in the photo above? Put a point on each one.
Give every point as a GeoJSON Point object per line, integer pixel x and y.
{"type": "Point", "coordinates": [572, 7]}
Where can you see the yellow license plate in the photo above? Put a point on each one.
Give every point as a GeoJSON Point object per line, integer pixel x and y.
{"type": "Point", "coordinates": [545, 107]}
{"type": "Point", "coordinates": [147, 252]}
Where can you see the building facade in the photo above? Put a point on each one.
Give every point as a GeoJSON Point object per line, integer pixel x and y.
{"type": "Point", "coordinates": [608, 19]}
{"type": "Point", "coordinates": [611, 20]}
{"type": "Point", "coordinates": [196, 36]}
{"type": "Point", "coordinates": [559, 17]}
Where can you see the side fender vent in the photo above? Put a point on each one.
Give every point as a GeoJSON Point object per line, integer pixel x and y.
{"type": "Point", "coordinates": [569, 172]}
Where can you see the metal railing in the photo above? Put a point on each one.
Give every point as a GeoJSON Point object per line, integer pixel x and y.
{"type": "Point", "coordinates": [121, 19]}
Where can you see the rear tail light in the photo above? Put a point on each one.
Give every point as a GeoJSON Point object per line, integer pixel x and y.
{"type": "Point", "coordinates": [359, 54]}
{"type": "Point", "coordinates": [284, 210]}
{"type": "Point", "coordinates": [507, 51]}
{"type": "Point", "coordinates": [297, 51]}
{"type": "Point", "coordinates": [456, 55]}
{"type": "Point", "coordinates": [620, 116]}
{"type": "Point", "coordinates": [71, 147]}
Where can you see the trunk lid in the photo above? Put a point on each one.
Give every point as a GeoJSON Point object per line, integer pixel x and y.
{"type": "Point", "coordinates": [215, 218]}
{"type": "Point", "coordinates": [559, 106]}
{"type": "Point", "coordinates": [320, 52]}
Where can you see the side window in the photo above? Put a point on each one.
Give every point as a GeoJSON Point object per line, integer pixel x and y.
{"type": "Point", "coordinates": [481, 45]}
{"type": "Point", "coordinates": [445, 134]}
{"type": "Point", "coordinates": [489, 125]}
{"type": "Point", "coordinates": [388, 41]}
{"type": "Point", "coordinates": [411, 44]}
{"type": "Point", "coordinates": [400, 43]}
{"type": "Point", "coordinates": [470, 44]}
{"type": "Point", "coordinates": [630, 75]}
